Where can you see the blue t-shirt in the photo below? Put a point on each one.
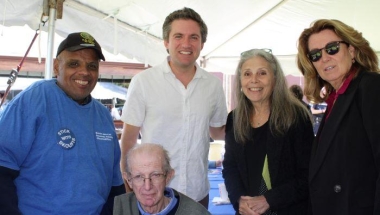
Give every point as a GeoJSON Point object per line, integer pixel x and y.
{"type": "Point", "coordinates": [68, 155]}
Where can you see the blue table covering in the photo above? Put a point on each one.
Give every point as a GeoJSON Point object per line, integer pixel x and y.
{"type": "Point", "coordinates": [215, 178]}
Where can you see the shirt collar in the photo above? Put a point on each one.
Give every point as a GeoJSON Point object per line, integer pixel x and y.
{"type": "Point", "coordinates": [173, 201]}
{"type": "Point", "coordinates": [198, 72]}
{"type": "Point", "coordinates": [334, 94]}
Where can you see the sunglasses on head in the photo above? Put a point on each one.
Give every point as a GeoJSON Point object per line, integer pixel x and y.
{"type": "Point", "coordinates": [331, 49]}
{"type": "Point", "coordinates": [266, 50]}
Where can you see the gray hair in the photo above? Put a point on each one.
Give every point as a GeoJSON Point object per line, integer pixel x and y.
{"type": "Point", "coordinates": [159, 150]}
{"type": "Point", "coordinates": [283, 105]}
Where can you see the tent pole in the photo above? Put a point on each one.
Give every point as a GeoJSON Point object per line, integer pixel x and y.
{"type": "Point", "coordinates": [50, 46]}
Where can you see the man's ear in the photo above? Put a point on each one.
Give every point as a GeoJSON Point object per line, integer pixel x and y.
{"type": "Point", "coordinates": [125, 177]}
{"type": "Point", "coordinates": [169, 176]}
{"type": "Point", "coordinates": [166, 44]}
{"type": "Point", "coordinates": [56, 67]}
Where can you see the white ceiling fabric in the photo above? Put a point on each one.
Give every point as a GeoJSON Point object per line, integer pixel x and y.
{"type": "Point", "coordinates": [234, 26]}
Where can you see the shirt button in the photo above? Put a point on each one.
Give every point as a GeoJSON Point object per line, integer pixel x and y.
{"type": "Point", "coordinates": [337, 188]}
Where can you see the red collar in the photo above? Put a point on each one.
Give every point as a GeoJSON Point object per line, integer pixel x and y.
{"type": "Point", "coordinates": [335, 94]}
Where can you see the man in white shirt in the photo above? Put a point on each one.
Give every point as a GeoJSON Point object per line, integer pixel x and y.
{"type": "Point", "coordinates": [179, 105]}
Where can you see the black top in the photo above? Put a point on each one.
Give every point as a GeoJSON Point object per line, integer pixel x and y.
{"type": "Point", "coordinates": [254, 153]}
{"type": "Point", "coordinates": [288, 163]}
{"type": "Point", "coordinates": [345, 162]}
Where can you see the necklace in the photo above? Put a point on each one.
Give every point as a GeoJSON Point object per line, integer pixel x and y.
{"type": "Point", "coordinates": [259, 119]}
{"type": "Point", "coordinates": [258, 122]}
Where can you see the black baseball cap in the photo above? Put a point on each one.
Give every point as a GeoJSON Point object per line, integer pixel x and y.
{"type": "Point", "coordinates": [78, 41]}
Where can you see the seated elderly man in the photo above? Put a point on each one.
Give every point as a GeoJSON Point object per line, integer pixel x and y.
{"type": "Point", "coordinates": [148, 172]}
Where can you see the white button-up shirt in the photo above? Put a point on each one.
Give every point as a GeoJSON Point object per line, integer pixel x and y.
{"type": "Point", "coordinates": [179, 119]}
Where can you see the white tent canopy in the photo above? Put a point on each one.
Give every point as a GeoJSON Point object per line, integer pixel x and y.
{"type": "Point", "coordinates": [19, 84]}
{"type": "Point", "coordinates": [106, 90]}
{"type": "Point", "coordinates": [132, 28]}
{"type": "Point", "coordinates": [102, 90]}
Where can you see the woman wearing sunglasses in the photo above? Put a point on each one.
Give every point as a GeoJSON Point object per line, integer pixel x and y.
{"type": "Point", "coordinates": [268, 141]}
{"type": "Point", "coordinates": [345, 162]}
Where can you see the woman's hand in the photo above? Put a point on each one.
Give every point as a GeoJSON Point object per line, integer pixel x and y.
{"type": "Point", "coordinates": [253, 205]}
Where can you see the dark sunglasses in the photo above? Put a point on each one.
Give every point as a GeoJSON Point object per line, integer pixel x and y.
{"type": "Point", "coordinates": [266, 50]}
{"type": "Point", "coordinates": [331, 49]}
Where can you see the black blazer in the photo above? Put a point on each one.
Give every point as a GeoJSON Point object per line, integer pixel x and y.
{"type": "Point", "coordinates": [288, 160]}
{"type": "Point", "coordinates": [345, 163]}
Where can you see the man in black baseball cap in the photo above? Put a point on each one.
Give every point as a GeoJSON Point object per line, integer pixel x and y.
{"type": "Point", "coordinates": [78, 41]}
{"type": "Point", "coordinates": [68, 159]}
{"type": "Point", "coordinates": [76, 66]}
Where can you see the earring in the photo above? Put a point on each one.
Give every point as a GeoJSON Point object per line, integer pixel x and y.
{"type": "Point", "coordinates": [241, 89]}
{"type": "Point", "coordinates": [353, 60]}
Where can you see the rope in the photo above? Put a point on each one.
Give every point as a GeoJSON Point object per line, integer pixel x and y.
{"type": "Point", "coordinates": [14, 73]}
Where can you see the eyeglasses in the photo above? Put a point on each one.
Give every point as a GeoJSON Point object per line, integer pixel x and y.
{"type": "Point", "coordinates": [155, 178]}
{"type": "Point", "coordinates": [266, 50]}
{"type": "Point", "coordinates": [331, 49]}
